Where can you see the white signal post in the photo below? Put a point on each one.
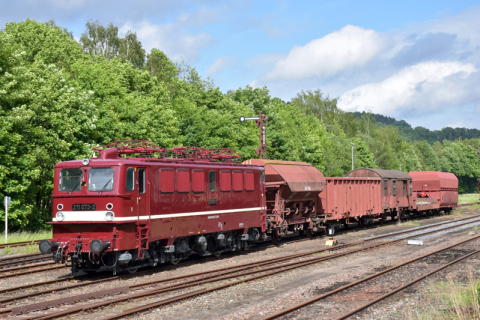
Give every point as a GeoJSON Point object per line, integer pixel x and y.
{"type": "Point", "coordinates": [6, 202]}
{"type": "Point", "coordinates": [260, 121]}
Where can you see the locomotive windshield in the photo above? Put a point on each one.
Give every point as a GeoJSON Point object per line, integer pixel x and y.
{"type": "Point", "coordinates": [70, 180]}
{"type": "Point", "coordinates": [100, 179]}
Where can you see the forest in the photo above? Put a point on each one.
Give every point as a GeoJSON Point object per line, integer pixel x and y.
{"type": "Point", "coordinates": [59, 98]}
{"type": "Point", "coordinates": [420, 133]}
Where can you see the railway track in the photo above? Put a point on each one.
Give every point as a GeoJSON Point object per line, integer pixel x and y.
{"type": "Point", "coordinates": [245, 273]}
{"type": "Point", "coordinates": [15, 266]}
{"type": "Point", "coordinates": [19, 244]}
{"type": "Point", "coordinates": [29, 269]}
{"type": "Point", "coordinates": [298, 307]}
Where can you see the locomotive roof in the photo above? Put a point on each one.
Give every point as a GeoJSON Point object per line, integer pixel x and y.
{"type": "Point", "coordinates": [147, 162]}
{"type": "Point", "coordinates": [385, 174]}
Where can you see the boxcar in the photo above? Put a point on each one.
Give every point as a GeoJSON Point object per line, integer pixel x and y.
{"type": "Point", "coordinates": [345, 200]}
{"type": "Point", "coordinates": [396, 188]}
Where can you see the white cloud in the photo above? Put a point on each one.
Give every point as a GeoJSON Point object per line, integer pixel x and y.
{"type": "Point", "coordinates": [170, 38]}
{"type": "Point", "coordinates": [351, 46]}
{"type": "Point", "coordinates": [219, 64]}
{"type": "Point", "coordinates": [202, 17]}
{"type": "Point", "coordinates": [424, 87]}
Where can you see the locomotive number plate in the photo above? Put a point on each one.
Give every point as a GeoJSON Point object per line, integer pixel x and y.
{"type": "Point", "coordinates": [84, 206]}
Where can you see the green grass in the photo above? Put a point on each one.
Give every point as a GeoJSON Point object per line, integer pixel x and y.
{"type": "Point", "coordinates": [25, 236]}
{"type": "Point", "coordinates": [468, 198]}
{"type": "Point", "coordinates": [411, 223]}
{"type": "Point", "coordinates": [452, 300]}
{"type": "Point", "coordinates": [319, 254]}
{"type": "Point", "coordinates": [21, 237]}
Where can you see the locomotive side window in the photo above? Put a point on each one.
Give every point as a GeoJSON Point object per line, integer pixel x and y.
{"type": "Point", "coordinates": [249, 181]}
{"type": "Point", "coordinates": [237, 180]}
{"type": "Point", "coordinates": [198, 180]}
{"type": "Point", "coordinates": [183, 180]}
{"type": "Point", "coordinates": [225, 181]}
{"type": "Point", "coordinates": [70, 180]}
{"type": "Point", "coordinates": [141, 181]}
{"type": "Point", "coordinates": [130, 179]}
{"type": "Point", "coordinates": [167, 181]}
{"type": "Point", "coordinates": [100, 179]}
{"type": "Point", "coordinates": [211, 181]}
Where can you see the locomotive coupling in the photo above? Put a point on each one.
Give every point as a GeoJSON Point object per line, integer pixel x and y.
{"type": "Point", "coordinates": [97, 246]}
{"type": "Point", "coordinates": [46, 246]}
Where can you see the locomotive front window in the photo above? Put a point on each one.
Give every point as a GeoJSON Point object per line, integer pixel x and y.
{"type": "Point", "coordinates": [100, 179]}
{"type": "Point", "coordinates": [70, 180]}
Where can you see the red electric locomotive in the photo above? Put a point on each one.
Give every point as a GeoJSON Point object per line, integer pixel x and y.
{"type": "Point", "coordinates": [138, 204]}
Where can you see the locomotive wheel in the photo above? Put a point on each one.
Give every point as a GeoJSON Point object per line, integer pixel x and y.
{"type": "Point", "coordinates": [132, 270]}
{"type": "Point", "coordinates": [309, 233]}
{"type": "Point", "coordinates": [276, 238]}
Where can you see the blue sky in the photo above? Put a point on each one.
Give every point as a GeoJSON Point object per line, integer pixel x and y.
{"type": "Point", "coordinates": [413, 60]}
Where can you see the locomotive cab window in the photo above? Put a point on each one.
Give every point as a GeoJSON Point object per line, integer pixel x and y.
{"type": "Point", "coordinates": [141, 181]}
{"type": "Point", "coordinates": [130, 179]}
{"type": "Point", "coordinates": [100, 179]}
{"type": "Point", "coordinates": [70, 180]}
{"type": "Point", "coordinates": [211, 181]}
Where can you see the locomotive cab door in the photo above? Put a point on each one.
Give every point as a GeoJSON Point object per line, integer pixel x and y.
{"type": "Point", "coordinates": [141, 183]}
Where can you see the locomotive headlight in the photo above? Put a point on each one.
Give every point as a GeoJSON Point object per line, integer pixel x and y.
{"type": "Point", "coordinates": [60, 216]}
{"type": "Point", "coordinates": [109, 216]}
{"type": "Point", "coordinates": [109, 206]}
{"type": "Point", "coordinates": [85, 162]}
{"type": "Point", "coordinates": [60, 206]}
